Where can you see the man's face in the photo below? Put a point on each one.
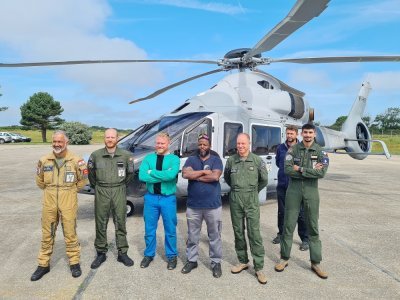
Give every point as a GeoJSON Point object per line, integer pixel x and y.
{"type": "Point", "coordinates": [110, 138]}
{"type": "Point", "coordinates": [162, 144]}
{"type": "Point", "coordinates": [308, 135]}
{"type": "Point", "coordinates": [59, 143]}
{"type": "Point", "coordinates": [291, 135]}
{"type": "Point", "coordinates": [204, 147]}
{"type": "Point", "coordinates": [242, 145]}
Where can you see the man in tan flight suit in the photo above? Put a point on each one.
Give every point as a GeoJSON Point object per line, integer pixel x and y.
{"type": "Point", "coordinates": [60, 175]}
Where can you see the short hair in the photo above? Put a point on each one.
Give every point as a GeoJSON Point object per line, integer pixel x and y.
{"type": "Point", "coordinates": [164, 134]}
{"type": "Point", "coordinates": [116, 131]}
{"type": "Point", "coordinates": [60, 132]}
{"type": "Point", "coordinates": [292, 128]}
{"type": "Point", "coordinates": [308, 126]}
{"type": "Point", "coordinates": [244, 134]}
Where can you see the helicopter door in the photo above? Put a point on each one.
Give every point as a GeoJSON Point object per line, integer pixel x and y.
{"type": "Point", "coordinates": [265, 141]}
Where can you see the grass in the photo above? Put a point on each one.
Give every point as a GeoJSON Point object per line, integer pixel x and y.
{"type": "Point", "coordinates": [391, 141]}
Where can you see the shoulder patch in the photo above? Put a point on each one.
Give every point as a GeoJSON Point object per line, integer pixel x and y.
{"type": "Point", "coordinates": [288, 157]}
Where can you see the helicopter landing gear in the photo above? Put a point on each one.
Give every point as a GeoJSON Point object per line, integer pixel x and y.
{"type": "Point", "coordinates": [130, 208]}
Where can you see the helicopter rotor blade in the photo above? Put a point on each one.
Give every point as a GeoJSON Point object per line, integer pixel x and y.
{"type": "Point", "coordinates": [105, 61]}
{"type": "Point", "coordinates": [284, 86]}
{"type": "Point", "coordinates": [338, 59]}
{"type": "Point", "coordinates": [301, 13]}
{"type": "Point", "coordinates": [160, 91]}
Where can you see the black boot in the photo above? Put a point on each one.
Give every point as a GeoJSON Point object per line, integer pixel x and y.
{"type": "Point", "coordinates": [39, 273]}
{"type": "Point", "coordinates": [76, 270]}
{"type": "Point", "coordinates": [100, 258]}
{"type": "Point", "coordinates": [125, 259]}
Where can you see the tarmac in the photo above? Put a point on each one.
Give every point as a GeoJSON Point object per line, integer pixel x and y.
{"type": "Point", "coordinates": [359, 229]}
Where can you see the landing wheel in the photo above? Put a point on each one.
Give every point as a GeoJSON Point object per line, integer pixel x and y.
{"type": "Point", "coordinates": [130, 208]}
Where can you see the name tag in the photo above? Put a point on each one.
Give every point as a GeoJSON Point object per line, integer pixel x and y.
{"type": "Point", "coordinates": [69, 177]}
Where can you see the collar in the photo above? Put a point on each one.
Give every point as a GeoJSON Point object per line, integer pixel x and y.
{"type": "Point", "coordinates": [312, 147]}
{"type": "Point", "coordinates": [68, 156]}
{"type": "Point", "coordinates": [116, 153]}
{"type": "Point", "coordinates": [249, 157]}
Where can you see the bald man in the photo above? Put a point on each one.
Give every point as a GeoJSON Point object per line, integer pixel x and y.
{"type": "Point", "coordinates": [110, 171]}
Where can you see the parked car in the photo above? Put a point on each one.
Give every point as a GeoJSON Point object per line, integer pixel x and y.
{"type": "Point", "coordinates": [5, 137]}
{"type": "Point", "coordinates": [15, 138]}
{"type": "Point", "coordinates": [24, 138]}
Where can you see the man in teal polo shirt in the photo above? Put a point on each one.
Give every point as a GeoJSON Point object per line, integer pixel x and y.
{"type": "Point", "coordinates": [159, 171]}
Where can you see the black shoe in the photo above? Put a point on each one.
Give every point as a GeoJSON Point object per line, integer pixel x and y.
{"type": "Point", "coordinates": [216, 271]}
{"type": "Point", "coordinates": [125, 259]}
{"type": "Point", "coordinates": [189, 266]}
{"type": "Point", "coordinates": [146, 261]}
{"type": "Point", "coordinates": [277, 239]}
{"type": "Point", "coordinates": [75, 270]}
{"type": "Point", "coordinates": [100, 258]}
{"type": "Point", "coordinates": [39, 273]}
{"type": "Point", "coordinates": [172, 263]}
{"type": "Point", "coordinates": [304, 246]}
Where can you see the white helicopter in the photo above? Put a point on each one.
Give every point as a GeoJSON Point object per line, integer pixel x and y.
{"type": "Point", "coordinates": [250, 101]}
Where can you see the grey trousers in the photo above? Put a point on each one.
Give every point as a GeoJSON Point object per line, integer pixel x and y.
{"type": "Point", "coordinates": [213, 220]}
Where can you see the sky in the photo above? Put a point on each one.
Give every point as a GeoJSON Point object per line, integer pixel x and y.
{"type": "Point", "coordinates": [46, 30]}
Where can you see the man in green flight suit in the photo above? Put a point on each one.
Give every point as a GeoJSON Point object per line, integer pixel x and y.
{"type": "Point", "coordinates": [110, 171]}
{"type": "Point", "coordinates": [247, 175]}
{"type": "Point", "coordinates": [305, 163]}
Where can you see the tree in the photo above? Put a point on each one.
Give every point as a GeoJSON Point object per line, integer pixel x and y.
{"type": "Point", "coordinates": [2, 108]}
{"type": "Point", "coordinates": [41, 111]}
{"type": "Point", "coordinates": [388, 120]}
{"type": "Point", "coordinates": [78, 133]}
{"type": "Point", "coordinates": [339, 122]}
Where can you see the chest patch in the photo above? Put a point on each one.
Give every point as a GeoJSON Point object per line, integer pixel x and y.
{"type": "Point", "coordinates": [69, 177]}
{"type": "Point", "coordinates": [47, 168]}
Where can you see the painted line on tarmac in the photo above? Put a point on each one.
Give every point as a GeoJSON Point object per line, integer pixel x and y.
{"type": "Point", "coordinates": [84, 285]}
{"type": "Point", "coordinates": [366, 258]}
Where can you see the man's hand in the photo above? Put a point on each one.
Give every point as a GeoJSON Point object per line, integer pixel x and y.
{"type": "Point", "coordinates": [319, 166]}
{"type": "Point", "coordinates": [296, 168]}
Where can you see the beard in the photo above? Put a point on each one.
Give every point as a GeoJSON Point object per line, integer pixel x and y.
{"type": "Point", "coordinates": [204, 153]}
{"type": "Point", "coordinates": [58, 150]}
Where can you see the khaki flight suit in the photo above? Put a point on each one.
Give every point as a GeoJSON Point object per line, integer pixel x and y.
{"type": "Point", "coordinates": [246, 179]}
{"type": "Point", "coordinates": [60, 186]}
{"type": "Point", "coordinates": [303, 188]}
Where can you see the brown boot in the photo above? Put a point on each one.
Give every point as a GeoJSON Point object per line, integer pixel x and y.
{"type": "Point", "coordinates": [239, 268]}
{"type": "Point", "coordinates": [317, 269]}
{"type": "Point", "coordinates": [261, 277]}
{"type": "Point", "coordinates": [279, 267]}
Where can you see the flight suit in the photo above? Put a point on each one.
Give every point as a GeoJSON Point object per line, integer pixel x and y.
{"type": "Point", "coordinates": [246, 179]}
{"type": "Point", "coordinates": [60, 185]}
{"type": "Point", "coordinates": [303, 188]}
{"type": "Point", "coordinates": [109, 175]}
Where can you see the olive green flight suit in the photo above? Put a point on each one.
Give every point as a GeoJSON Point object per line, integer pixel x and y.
{"type": "Point", "coordinates": [246, 179]}
{"type": "Point", "coordinates": [60, 185]}
{"type": "Point", "coordinates": [109, 176]}
{"type": "Point", "coordinates": [303, 187]}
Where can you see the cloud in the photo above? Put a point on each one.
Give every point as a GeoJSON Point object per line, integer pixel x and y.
{"type": "Point", "coordinates": [385, 81]}
{"type": "Point", "coordinates": [306, 76]}
{"type": "Point", "coordinates": [215, 7]}
{"type": "Point", "coordinates": [47, 30]}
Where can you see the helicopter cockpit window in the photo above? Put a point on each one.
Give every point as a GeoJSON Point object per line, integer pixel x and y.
{"type": "Point", "coordinates": [265, 139]}
{"type": "Point", "coordinates": [264, 84]}
{"type": "Point", "coordinates": [144, 139]}
{"type": "Point", "coordinates": [190, 138]}
{"type": "Point", "coordinates": [231, 131]}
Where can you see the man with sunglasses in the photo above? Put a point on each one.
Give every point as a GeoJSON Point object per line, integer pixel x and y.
{"type": "Point", "coordinates": [203, 171]}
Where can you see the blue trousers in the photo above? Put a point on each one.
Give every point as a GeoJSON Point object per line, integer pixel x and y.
{"type": "Point", "coordinates": [154, 205]}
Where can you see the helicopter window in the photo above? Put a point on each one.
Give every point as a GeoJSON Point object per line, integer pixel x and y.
{"type": "Point", "coordinates": [265, 139]}
{"type": "Point", "coordinates": [231, 131]}
{"type": "Point", "coordinates": [264, 84]}
{"type": "Point", "coordinates": [190, 138]}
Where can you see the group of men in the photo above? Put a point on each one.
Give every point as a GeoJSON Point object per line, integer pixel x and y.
{"type": "Point", "coordinates": [109, 170]}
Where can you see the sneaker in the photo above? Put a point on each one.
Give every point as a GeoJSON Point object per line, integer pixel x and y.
{"type": "Point", "coordinates": [146, 261]}
{"type": "Point", "coordinates": [100, 258]}
{"type": "Point", "coordinates": [189, 266]}
{"type": "Point", "coordinates": [39, 273]}
{"type": "Point", "coordinates": [75, 270]}
{"type": "Point", "coordinates": [261, 277]}
{"type": "Point", "coordinates": [281, 265]}
{"type": "Point", "coordinates": [125, 259]}
{"type": "Point", "coordinates": [304, 246]}
{"type": "Point", "coordinates": [277, 239]}
{"type": "Point", "coordinates": [239, 268]}
{"type": "Point", "coordinates": [172, 263]}
{"type": "Point", "coordinates": [217, 271]}
{"type": "Point", "coordinates": [317, 269]}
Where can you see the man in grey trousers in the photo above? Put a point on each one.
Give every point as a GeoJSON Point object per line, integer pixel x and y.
{"type": "Point", "coordinates": [204, 203]}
